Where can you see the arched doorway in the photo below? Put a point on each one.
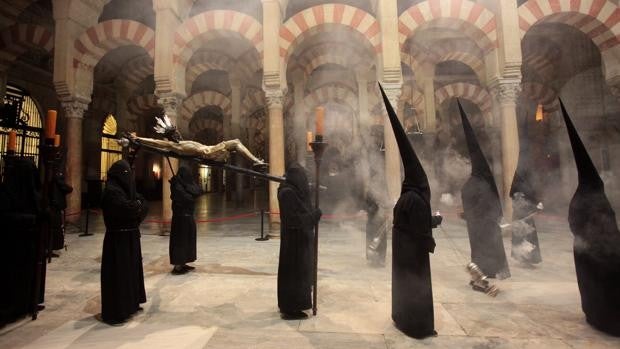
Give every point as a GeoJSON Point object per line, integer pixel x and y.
{"type": "Point", "coordinates": [20, 113]}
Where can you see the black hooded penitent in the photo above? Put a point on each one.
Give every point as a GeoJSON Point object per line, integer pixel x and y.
{"type": "Point", "coordinates": [412, 240]}
{"type": "Point", "coordinates": [525, 246]}
{"type": "Point", "coordinates": [597, 241]}
{"type": "Point", "coordinates": [183, 192]}
{"type": "Point", "coordinates": [58, 203]}
{"type": "Point", "coordinates": [19, 213]}
{"type": "Point", "coordinates": [122, 276]}
{"type": "Point", "coordinates": [298, 218]}
{"type": "Point", "coordinates": [482, 210]}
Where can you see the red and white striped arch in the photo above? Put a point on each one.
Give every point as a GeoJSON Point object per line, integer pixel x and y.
{"type": "Point", "coordinates": [103, 37]}
{"type": "Point", "coordinates": [197, 125]}
{"type": "Point", "coordinates": [19, 38]}
{"type": "Point", "coordinates": [330, 53]}
{"type": "Point", "coordinates": [9, 13]}
{"type": "Point", "coordinates": [204, 99]}
{"type": "Point", "coordinates": [136, 70]}
{"type": "Point", "coordinates": [248, 64]}
{"type": "Point", "coordinates": [541, 57]}
{"type": "Point", "coordinates": [598, 19]}
{"type": "Point", "coordinates": [311, 20]}
{"type": "Point", "coordinates": [459, 51]}
{"type": "Point", "coordinates": [140, 105]}
{"type": "Point", "coordinates": [192, 33]}
{"type": "Point", "coordinates": [541, 94]}
{"type": "Point", "coordinates": [473, 19]}
{"type": "Point", "coordinates": [205, 61]}
{"type": "Point", "coordinates": [473, 93]}
{"type": "Point", "coordinates": [331, 93]}
{"type": "Point", "coordinates": [254, 100]}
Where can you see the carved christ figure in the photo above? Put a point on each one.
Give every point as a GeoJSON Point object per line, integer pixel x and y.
{"type": "Point", "coordinates": [218, 152]}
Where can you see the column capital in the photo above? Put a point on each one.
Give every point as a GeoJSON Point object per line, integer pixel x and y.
{"type": "Point", "coordinates": [74, 109]}
{"type": "Point", "coordinates": [506, 91]}
{"type": "Point", "coordinates": [275, 98]}
{"type": "Point", "coordinates": [393, 92]}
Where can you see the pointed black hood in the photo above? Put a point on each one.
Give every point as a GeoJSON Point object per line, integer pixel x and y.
{"type": "Point", "coordinates": [415, 177]}
{"type": "Point", "coordinates": [522, 181]}
{"type": "Point", "coordinates": [587, 172]}
{"type": "Point", "coordinates": [479, 165]}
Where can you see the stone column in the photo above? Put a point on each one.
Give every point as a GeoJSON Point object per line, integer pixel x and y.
{"type": "Point", "coordinates": [428, 88]}
{"type": "Point", "coordinates": [235, 130]}
{"type": "Point", "coordinates": [392, 155]}
{"type": "Point", "coordinates": [363, 117]}
{"type": "Point", "coordinates": [74, 115]}
{"type": "Point", "coordinates": [300, 125]}
{"type": "Point", "coordinates": [506, 92]}
{"type": "Point", "coordinates": [276, 147]}
{"type": "Point", "coordinates": [171, 105]}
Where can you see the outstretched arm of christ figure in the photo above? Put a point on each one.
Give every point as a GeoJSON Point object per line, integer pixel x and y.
{"type": "Point", "coordinates": [217, 152]}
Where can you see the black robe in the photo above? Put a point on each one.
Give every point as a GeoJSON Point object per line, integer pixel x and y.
{"type": "Point", "coordinates": [482, 210]}
{"type": "Point", "coordinates": [525, 245]}
{"type": "Point", "coordinates": [58, 203]}
{"type": "Point", "coordinates": [412, 241]}
{"type": "Point", "coordinates": [596, 248]}
{"type": "Point", "coordinates": [183, 192]}
{"type": "Point", "coordinates": [376, 232]}
{"type": "Point", "coordinates": [20, 214]}
{"type": "Point", "coordinates": [296, 262]}
{"type": "Point", "coordinates": [122, 276]}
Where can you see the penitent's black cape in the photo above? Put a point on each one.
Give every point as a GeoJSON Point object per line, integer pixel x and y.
{"type": "Point", "coordinates": [19, 213]}
{"type": "Point", "coordinates": [183, 192]}
{"type": "Point", "coordinates": [122, 276]}
{"type": "Point", "coordinates": [412, 241]}
{"type": "Point", "coordinates": [525, 246]}
{"type": "Point", "coordinates": [597, 241]}
{"type": "Point", "coordinates": [482, 210]}
{"type": "Point", "coordinates": [297, 221]}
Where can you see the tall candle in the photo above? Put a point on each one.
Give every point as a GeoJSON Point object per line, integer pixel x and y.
{"type": "Point", "coordinates": [320, 119]}
{"type": "Point", "coordinates": [12, 146]}
{"type": "Point", "coordinates": [50, 124]}
{"type": "Point", "coordinates": [308, 140]}
{"type": "Point", "coordinates": [57, 141]}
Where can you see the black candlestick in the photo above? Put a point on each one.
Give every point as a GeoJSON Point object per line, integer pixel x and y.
{"type": "Point", "coordinates": [48, 153]}
{"type": "Point", "coordinates": [318, 147]}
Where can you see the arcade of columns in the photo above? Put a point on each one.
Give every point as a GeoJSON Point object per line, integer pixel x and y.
{"type": "Point", "coordinates": [495, 29]}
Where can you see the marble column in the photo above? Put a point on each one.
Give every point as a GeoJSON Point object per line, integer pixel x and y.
{"type": "Point", "coordinates": [235, 129]}
{"type": "Point", "coordinates": [74, 115]}
{"type": "Point", "coordinates": [171, 105]}
{"type": "Point", "coordinates": [276, 147]}
{"type": "Point", "coordinates": [363, 117]}
{"type": "Point", "coordinates": [506, 92]}
{"type": "Point", "coordinates": [300, 120]}
{"type": "Point", "coordinates": [428, 88]}
{"type": "Point", "coordinates": [392, 155]}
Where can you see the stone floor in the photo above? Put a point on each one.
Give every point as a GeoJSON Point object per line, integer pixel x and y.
{"type": "Point", "coordinates": [230, 300]}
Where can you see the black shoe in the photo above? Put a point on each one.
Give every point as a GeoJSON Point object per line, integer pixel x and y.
{"type": "Point", "coordinates": [297, 315]}
{"type": "Point", "coordinates": [54, 255]}
{"type": "Point", "coordinates": [40, 307]}
{"type": "Point", "coordinates": [178, 271]}
{"type": "Point", "coordinates": [188, 267]}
